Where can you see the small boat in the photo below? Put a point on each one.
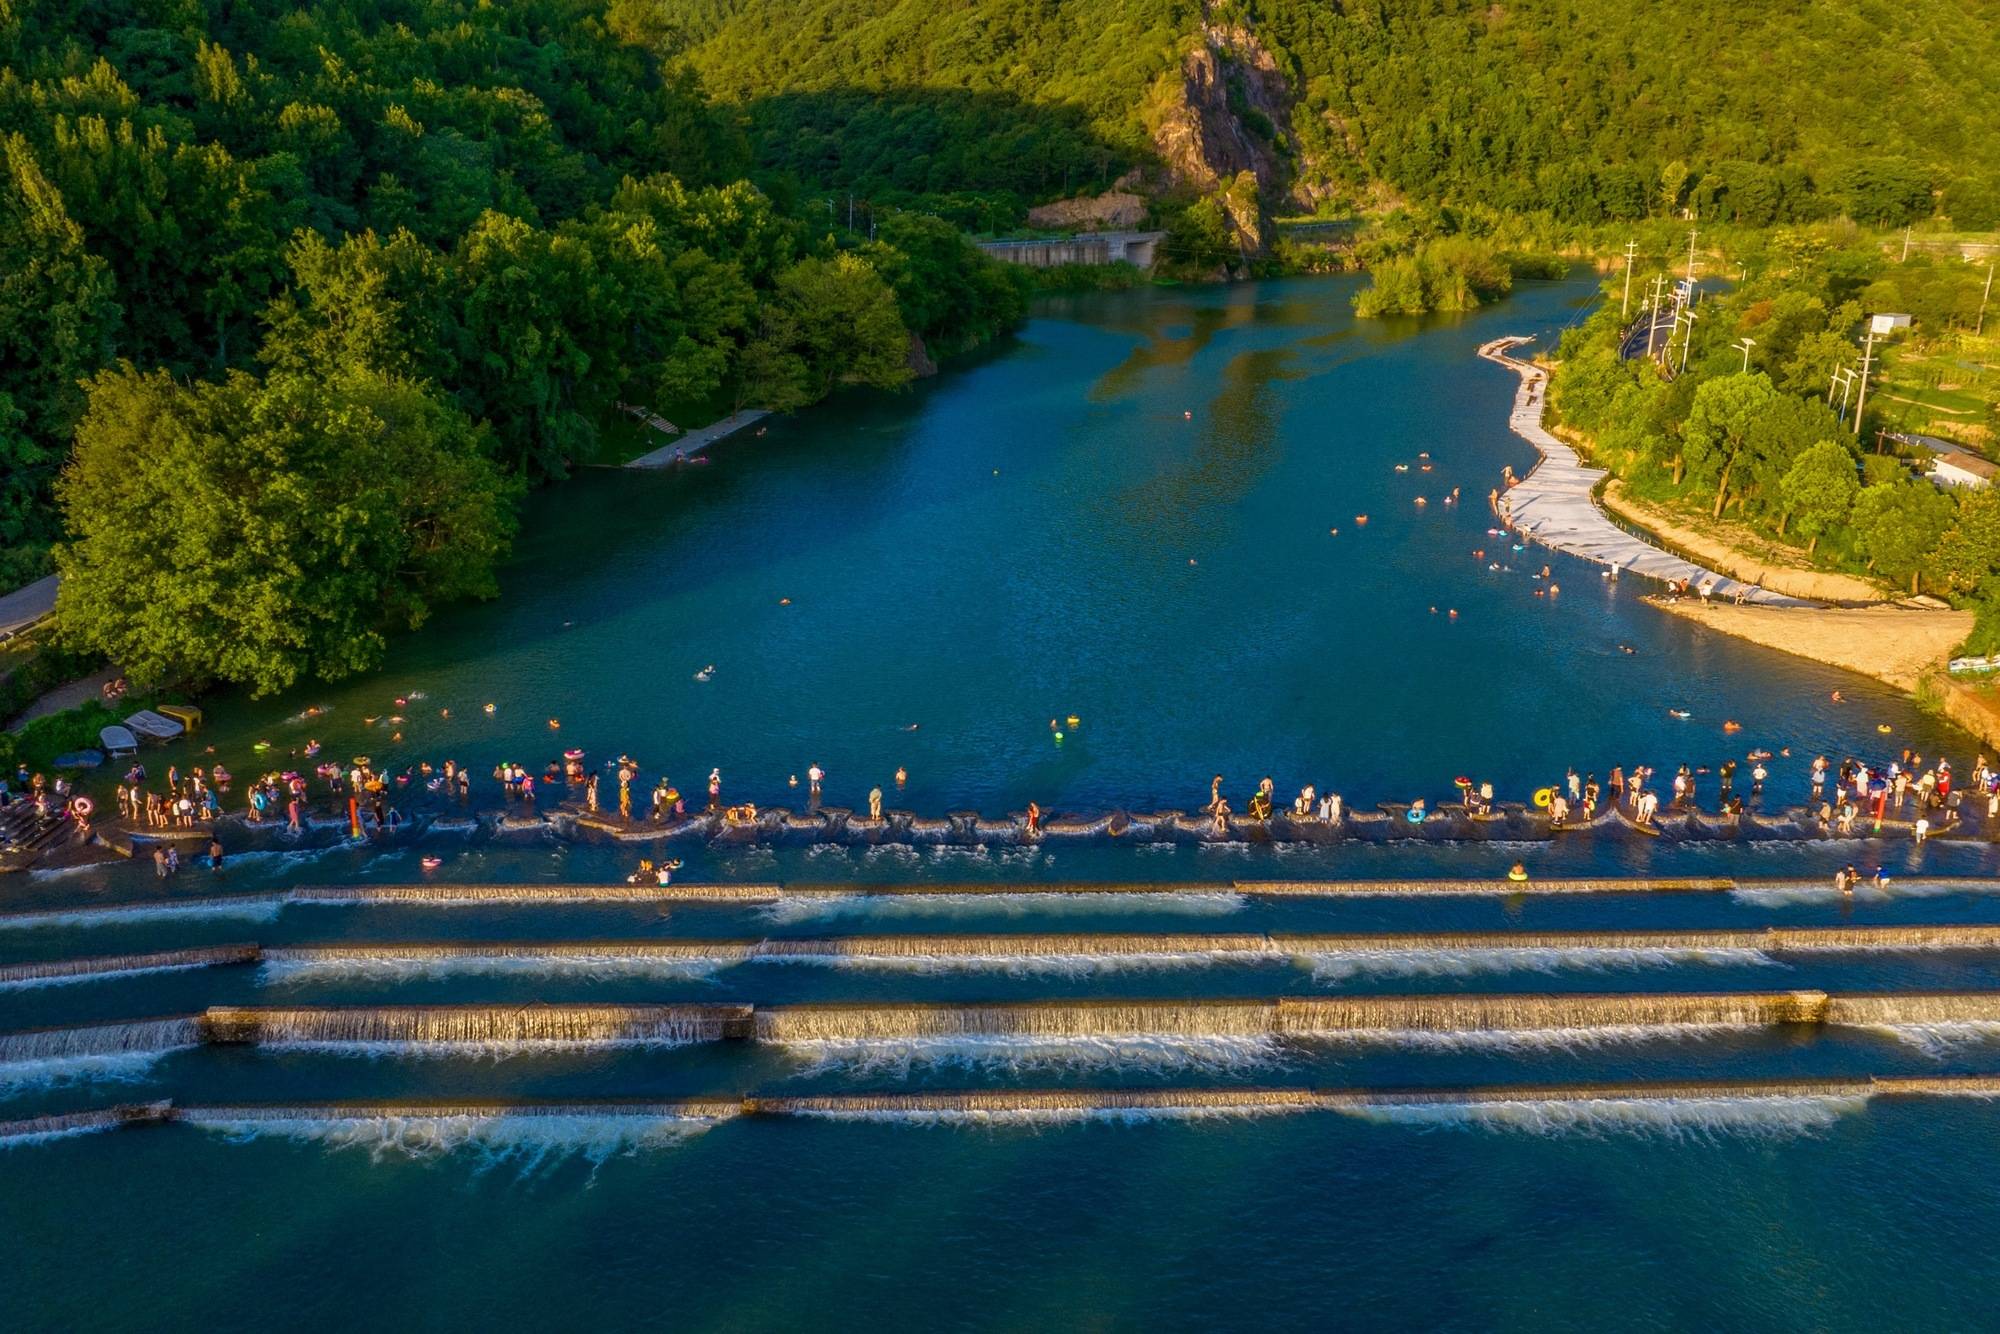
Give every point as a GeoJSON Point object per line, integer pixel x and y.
{"type": "Point", "coordinates": [118, 741]}
{"type": "Point", "coordinates": [150, 726]}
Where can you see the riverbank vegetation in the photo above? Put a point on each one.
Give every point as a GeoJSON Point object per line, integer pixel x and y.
{"type": "Point", "coordinates": [313, 291]}
{"type": "Point", "coordinates": [1755, 432]}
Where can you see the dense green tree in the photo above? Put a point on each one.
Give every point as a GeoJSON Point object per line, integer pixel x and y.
{"type": "Point", "coordinates": [56, 319]}
{"type": "Point", "coordinates": [1968, 554]}
{"type": "Point", "coordinates": [1720, 428]}
{"type": "Point", "coordinates": [830, 323]}
{"type": "Point", "coordinates": [263, 531]}
{"type": "Point", "coordinates": [1898, 525]}
{"type": "Point", "coordinates": [1818, 490]}
{"type": "Point", "coordinates": [951, 295]}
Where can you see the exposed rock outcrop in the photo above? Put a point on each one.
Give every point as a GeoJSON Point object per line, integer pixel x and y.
{"type": "Point", "coordinates": [1218, 126]}
{"type": "Point", "coordinates": [1114, 210]}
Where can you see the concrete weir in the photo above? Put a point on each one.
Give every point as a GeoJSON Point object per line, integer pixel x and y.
{"type": "Point", "coordinates": [473, 1025]}
{"type": "Point", "coordinates": [1003, 949]}
{"type": "Point", "coordinates": [1302, 1017]}
{"type": "Point", "coordinates": [1699, 1098]}
{"type": "Point", "coordinates": [767, 895]}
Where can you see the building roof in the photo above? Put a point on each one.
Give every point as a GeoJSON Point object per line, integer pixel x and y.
{"type": "Point", "coordinates": [1971, 463]}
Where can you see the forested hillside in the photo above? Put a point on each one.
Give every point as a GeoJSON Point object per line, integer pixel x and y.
{"type": "Point", "coordinates": [488, 224]}
{"type": "Point", "coordinates": [1586, 108]}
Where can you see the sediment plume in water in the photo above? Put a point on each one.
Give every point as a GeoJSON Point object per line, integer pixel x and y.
{"type": "Point", "coordinates": [123, 965]}
{"type": "Point", "coordinates": [478, 1026]}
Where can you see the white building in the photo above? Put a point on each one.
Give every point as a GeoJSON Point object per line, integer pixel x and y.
{"type": "Point", "coordinates": [1888, 324]}
{"type": "Point", "coordinates": [1962, 470]}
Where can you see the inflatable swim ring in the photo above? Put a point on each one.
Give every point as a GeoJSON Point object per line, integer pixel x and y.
{"type": "Point", "coordinates": [1882, 727]}
{"type": "Point", "coordinates": [1518, 875]}
{"type": "Point", "coordinates": [432, 863]}
{"type": "Point", "coordinates": [1413, 815]}
{"type": "Point", "coordinates": [81, 808]}
{"type": "Point", "coordinates": [1544, 795]}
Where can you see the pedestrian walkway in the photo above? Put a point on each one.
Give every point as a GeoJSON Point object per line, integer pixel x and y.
{"type": "Point", "coordinates": [1553, 505]}
{"type": "Point", "coordinates": [26, 607]}
{"type": "Point", "coordinates": [695, 441]}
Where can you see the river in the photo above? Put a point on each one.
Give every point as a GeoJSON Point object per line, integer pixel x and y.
{"type": "Point", "coordinates": [1143, 511]}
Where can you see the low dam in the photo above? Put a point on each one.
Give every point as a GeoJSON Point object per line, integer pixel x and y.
{"type": "Point", "coordinates": [490, 1027]}
{"type": "Point", "coordinates": [1698, 1101]}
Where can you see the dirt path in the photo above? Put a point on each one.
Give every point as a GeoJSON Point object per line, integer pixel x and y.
{"type": "Point", "coordinates": [1723, 556]}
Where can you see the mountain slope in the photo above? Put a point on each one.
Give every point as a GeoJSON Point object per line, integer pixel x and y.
{"type": "Point", "coordinates": [1784, 109]}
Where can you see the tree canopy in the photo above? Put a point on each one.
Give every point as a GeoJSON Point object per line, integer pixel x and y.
{"type": "Point", "coordinates": [491, 225]}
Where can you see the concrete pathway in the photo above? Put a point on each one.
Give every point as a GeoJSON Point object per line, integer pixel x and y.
{"type": "Point", "coordinates": [695, 441]}
{"type": "Point", "coordinates": [24, 607]}
{"type": "Point", "coordinates": [1553, 505]}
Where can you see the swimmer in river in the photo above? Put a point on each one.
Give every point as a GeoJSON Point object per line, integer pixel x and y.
{"type": "Point", "coordinates": [1627, 648]}
{"type": "Point", "coordinates": [1845, 879]}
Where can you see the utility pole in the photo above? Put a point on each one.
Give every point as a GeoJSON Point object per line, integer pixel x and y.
{"type": "Point", "coordinates": [1625, 306]}
{"type": "Point", "coordinates": [1691, 236]}
{"type": "Point", "coordinates": [1906, 247]}
{"type": "Point", "coordinates": [1746, 344]}
{"type": "Point", "coordinates": [1981, 326]}
{"type": "Point", "coordinates": [850, 212]}
{"type": "Point", "coordinates": [1653, 325]}
{"type": "Point", "coordinates": [1861, 396]}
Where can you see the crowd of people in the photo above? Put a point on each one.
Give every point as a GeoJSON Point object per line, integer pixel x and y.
{"type": "Point", "coordinates": [1845, 797]}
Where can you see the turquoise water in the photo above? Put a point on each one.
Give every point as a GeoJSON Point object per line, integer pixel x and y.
{"type": "Point", "coordinates": [1011, 543]}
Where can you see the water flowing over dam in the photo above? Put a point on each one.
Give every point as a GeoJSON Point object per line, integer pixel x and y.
{"type": "Point", "coordinates": [1699, 1097]}
{"type": "Point", "coordinates": [1025, 951]}
{"type": "Point", "coordinates": [124, 965]}
{"type": "Point", "coordinates": [475, 1025]}
{"type": "Point", "coordinates": [808, 896]}
{"type": "Point", "coordinates": [1304, 1018]}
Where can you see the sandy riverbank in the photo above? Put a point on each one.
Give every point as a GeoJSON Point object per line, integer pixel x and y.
{"type": "Point", "coordinates": [1891, 643]}
{"type": "Point", "coordinates": [1735, 559]}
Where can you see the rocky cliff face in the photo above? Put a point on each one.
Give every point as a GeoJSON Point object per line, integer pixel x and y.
{"type": "Point", "coordinates": [1220, 116]}
{"type": "Point", "coordinates": [1114, 210]}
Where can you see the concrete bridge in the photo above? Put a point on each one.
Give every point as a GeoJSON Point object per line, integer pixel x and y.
{"type": "Point", "coordinates": [1137, 248]}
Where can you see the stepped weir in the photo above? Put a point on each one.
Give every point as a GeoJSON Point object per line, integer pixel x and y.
{"type": "Point", "coordinates": [768, 895]}
{"type": "Point", "coordinates": [1000, 1103]}
{"type": "Point", "coordinates": [1299, 1018]}
{"type": "Point", "coordinates": [1004, 949]}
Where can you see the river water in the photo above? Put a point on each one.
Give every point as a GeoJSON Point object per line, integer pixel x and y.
{"type": "Point", "coordinates": [1142, 512]}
